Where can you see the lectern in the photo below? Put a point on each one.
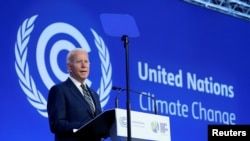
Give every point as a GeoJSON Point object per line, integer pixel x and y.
{"type": "Point", "coordinates": [113, 123]}
{"type": "Point", "coordinates": [98, 127]}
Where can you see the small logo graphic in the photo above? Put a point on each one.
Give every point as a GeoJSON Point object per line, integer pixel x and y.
{"type": "Point", "coordinates": [155, 126]}
{"type": "Point", "coordinates": [27, 82]}
{"type": "Point", "coordinates": [164, 127]}
{"type": "Point", "coordinates": [123, 121]}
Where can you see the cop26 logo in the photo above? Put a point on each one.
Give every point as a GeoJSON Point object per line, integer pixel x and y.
{"type": "Point", "coordinates": [26, 81]}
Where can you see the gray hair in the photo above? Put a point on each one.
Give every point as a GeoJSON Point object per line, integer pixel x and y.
{"type": "Point", "coordinates": [72, 52]}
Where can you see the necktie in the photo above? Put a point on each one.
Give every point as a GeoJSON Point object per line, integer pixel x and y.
{"type": "Point", "coordinates": [88, 97]}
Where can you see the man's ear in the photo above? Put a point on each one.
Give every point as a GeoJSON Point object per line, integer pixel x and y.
{"type": "Point", "coordinates": [69, 67]}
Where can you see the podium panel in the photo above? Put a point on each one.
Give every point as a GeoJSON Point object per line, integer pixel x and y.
{"type": "Point", "coordinates": [99, 127]}
{"type": "Point", "coordinates": [144, 126]}
{"type": "Point", "coordinates": [113, 123]}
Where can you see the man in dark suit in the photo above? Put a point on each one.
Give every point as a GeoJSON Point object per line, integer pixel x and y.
{"type": "Point", "coordinates": [67, 107]}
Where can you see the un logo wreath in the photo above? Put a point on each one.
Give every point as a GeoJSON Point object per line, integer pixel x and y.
{"type": "Point", "coordinates": [26, 81]}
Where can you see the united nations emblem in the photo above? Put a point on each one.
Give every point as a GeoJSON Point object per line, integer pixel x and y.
{"type": "Point", "coordinates": [27, 82]}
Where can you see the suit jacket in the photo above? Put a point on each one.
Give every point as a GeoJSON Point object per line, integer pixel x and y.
{"type": "Point", "coordinates": [68, 110]}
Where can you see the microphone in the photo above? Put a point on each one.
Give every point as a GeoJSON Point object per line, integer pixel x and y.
{"type": "Point", "coordinates": [116, 98]}
{"type": "Point", "coordinates": [141, 93]}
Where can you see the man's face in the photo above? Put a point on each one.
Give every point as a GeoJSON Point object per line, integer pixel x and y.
{"type": "Point", "coordinates": [79, 67]}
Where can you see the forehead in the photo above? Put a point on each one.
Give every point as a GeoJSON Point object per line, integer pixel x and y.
{"type": "Point", "coordinates": [80, 54]}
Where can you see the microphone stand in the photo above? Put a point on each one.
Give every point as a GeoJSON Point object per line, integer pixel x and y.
{"type": "Point", "coordinates": [125, 40]}
{"type": "Point", "coordinates": [144, 94]}
{"type": "Point", "coordinates": [140, 93]}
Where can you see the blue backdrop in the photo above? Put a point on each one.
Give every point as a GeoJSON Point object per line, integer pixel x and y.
{"type": "Point", "coordinates": [194, 61]}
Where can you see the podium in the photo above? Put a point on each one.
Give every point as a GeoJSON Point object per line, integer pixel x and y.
{"type": "Point", "coordinates": [113, 123]}
{"type": "Point", "coordinates": [98, 127]}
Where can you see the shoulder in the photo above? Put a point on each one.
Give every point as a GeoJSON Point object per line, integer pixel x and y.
{"type": "Point", "coordinates": [66, 83]}
{"type": "Point", "coordinates": [60, 87]}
